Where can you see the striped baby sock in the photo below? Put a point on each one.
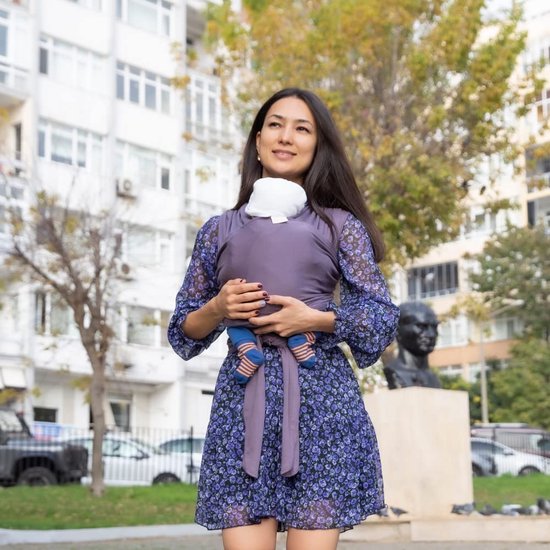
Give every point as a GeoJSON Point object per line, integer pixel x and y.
{"type": "Point", "coordinates": [301, 347]}
{"type": "Point", "coordinates": [249, 354]}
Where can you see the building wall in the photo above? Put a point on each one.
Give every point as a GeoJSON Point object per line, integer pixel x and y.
{"type": "Point", "coordinates": [93, 76]}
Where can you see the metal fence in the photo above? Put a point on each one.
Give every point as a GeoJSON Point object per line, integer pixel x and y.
{"type": "Point", "coordinates": [58, 453]}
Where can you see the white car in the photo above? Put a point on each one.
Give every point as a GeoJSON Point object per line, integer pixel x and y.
{"type": "Point", "coordinates": [128, 461]}
{"type": "Point", "coordinates": [509, 461]}
{"type": "Point", "coordinates": [190, 449]}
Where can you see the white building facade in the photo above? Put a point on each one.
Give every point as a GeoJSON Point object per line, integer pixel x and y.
{"type": "Point", "coordinates": [86, 88]}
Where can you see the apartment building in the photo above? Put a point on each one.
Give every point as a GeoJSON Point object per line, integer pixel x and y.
{"type": "Point", "coordinates": [89, 108]}
{"type": "Point", "coordinates": [441, 277]}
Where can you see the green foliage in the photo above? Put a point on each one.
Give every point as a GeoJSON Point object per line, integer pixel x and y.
{"type": "Point", "coordinates": [418, 90]}
{"type": "Point", "coordinates": [73, 506]}
{"type": "Point", "coordinates": [515, 265]}
{"type": "Point", "coordinates": [474, 390]}
{"type": "Point", "coordinates": [474, 395]}
{"type": "Point", "coordinates": [520, 392]}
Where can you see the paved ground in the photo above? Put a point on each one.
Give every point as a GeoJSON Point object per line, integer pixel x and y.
{"type": "Point", "coordinates": [214, 543]}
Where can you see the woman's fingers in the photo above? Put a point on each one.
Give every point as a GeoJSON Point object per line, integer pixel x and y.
{"type": "Point", "coordinates": [292, 318]}
{"type": "Point", "coordinates": [238, 299]}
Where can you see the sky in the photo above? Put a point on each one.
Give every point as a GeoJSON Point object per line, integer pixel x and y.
{"type": "Point", "coordinates": [532, 7]}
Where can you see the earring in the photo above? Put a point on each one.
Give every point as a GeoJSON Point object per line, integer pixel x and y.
{"type": "Point", "coordinates": [259, 159]}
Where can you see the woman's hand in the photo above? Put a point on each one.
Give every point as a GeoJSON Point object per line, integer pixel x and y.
{"type": "Point", "coordinates": [238, 299]}
{"type": "Point", "coordinates": [293, 317]}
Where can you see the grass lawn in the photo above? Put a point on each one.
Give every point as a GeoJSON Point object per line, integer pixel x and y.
{"type": "Point", "coordinates": [506, 489]}
{"type": "Point", "coordinates": [73, 507]}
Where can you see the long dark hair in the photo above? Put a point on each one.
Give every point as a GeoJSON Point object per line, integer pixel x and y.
{"type": "Point", "coordinates": [329, 182]}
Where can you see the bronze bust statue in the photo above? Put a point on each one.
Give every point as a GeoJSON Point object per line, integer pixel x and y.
{"type": "Point", "coordinates": [416, 338]}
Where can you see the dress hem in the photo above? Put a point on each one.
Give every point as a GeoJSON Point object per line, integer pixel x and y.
{"type": "Point", "coordinates": [282, 526]}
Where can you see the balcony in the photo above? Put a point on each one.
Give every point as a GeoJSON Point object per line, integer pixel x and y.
{"type": "Point", "coordinates": [14, 85]}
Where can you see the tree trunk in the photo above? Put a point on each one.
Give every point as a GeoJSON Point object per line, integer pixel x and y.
{"type": "Point", "coordinates": [97, 399]}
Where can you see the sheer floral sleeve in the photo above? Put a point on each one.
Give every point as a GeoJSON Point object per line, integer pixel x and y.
{"type": "Point", "coordinates": [199, 286]}
{"type": "Point", "coordinates": [366, 318]}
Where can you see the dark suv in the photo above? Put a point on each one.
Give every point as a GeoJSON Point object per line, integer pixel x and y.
{"type": "Point", "coordinates": [27, 461]}
{"type": "Point", "coordinates": [521, 437]}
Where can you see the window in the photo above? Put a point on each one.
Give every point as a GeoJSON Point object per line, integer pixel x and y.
{"type": "Point", "coordinates": [537, 168]}
{"type": "Point", "coordinates": [203, 107]}
{"type": "Point", "coordinates": [542, 105]}
{"type": "Point", "coordinates": [145, 167]}
{"type": "Point", "coordinates": [147, 326]}
{"type": "Point", "coordinates": [483, 222]}
{"type": "Point", "coordinates": [149, 15]}
{"type": "Point", "coordinates": [43, 414]}
{"type": "Point", "coordinates": [69, 145]}
{"type": "Point", "coordinates": [72, 65]}
{"type": "Point", "coordinates": [537, 53]}
{"type": "Point", "coordinates": [4, 24]}
{"type": "Point", "coordinates": [505, 329]}
{"type": "Point", "coordinates": [143, 88]}
{"type": "Point", "coordinates": [52, 316]}
{"type": "Point", "coordinates": [141, 326]}
{"type": "Point", "coordinates": [430, 281]}
{"type": "Point", "coordinates": [121, 408]}
{"type": "Point", "coordinates": [147, 247]}
{"type": "Point", "coordinates": [453, 332]}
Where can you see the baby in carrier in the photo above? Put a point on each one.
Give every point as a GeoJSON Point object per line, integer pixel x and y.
{"type": "Point", "coordinates": [273, 202]}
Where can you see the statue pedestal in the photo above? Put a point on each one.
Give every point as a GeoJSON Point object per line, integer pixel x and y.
{"type": "Point", "coordinates": [424, 439]}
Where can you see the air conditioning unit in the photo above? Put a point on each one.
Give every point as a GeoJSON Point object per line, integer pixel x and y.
{"type": "Point", "coordinates": [124, 271]}
{"type": "Point", "coordinates": [125, 187]}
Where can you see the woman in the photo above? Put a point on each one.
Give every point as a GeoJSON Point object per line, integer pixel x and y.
{"type": "Point", "coordinates": [318, 472]}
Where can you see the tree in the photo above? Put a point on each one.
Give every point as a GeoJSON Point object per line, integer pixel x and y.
{"type": "Point", "coordinates": [515, 266]}
{"type": "Point", "coordinates": [74, 252]}
{"type": "Point", "coordinates": [418, 89]}
{"type": "Point", "coordinates": [520, 392]}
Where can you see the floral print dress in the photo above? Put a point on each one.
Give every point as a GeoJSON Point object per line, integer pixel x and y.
{"type": "Point", "coordinates": [339, 482]}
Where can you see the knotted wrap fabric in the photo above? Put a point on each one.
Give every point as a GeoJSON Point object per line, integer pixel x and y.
{"type": "Point", "coordinates": [254, 412]}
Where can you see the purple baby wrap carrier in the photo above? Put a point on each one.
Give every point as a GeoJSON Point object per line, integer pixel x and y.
{"type": "Point", "coordinates": [295, 258]}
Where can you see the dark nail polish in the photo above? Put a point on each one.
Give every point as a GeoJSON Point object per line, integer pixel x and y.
{"type": "Point", "coordinates": [260, 285]}
{"type": "Point", "coordinates": [264, 294]}
{"type": "Point", "coordinates": [266, 298]}
{"type": "Point", "coordinates": [256, 313]}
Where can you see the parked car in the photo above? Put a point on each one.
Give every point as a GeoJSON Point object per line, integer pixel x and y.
{"type": "Point", "coordinates": [520, 437]}
{"type": "Point", "coordinates": [191, 449]}
{"type": "Point", "coordinates": [26, 460]}
{"type": "Point", "coordinates": [129, 461]}
{"type": "Point", "coordinates": [482, 464]}
{"type": "Point", "coordinates": [507, 460]}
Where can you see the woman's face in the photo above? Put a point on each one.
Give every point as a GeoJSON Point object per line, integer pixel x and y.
{"type": "Point", "coordinates": [286, 143]}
